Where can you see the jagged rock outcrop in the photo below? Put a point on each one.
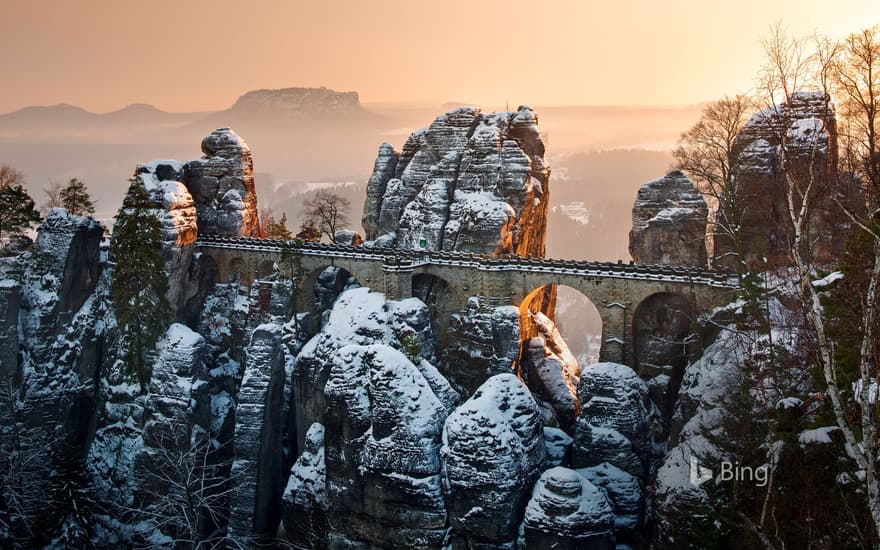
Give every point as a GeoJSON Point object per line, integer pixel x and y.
{"type": "Point", "coordinates": [470, 182]}
{"type": "Point", "coordinates": [222, 186]}
{"type": "Point", "coordinates": [176, 212]}
{"type": "Point", "coordinates": [382, 447]}
{"type": "Point", "coordinates": [614, 442]}
{"type": "Point", "coordinates": [48, 380]}
{"type": "Point", "coordinates": [255, 502]}
{"type": "Point", "coordinates": [808, 128]}
{"type": "Point", "coordinates": [485, 343]}
{"type": "Point", "coordinates": [615, 421]}
{"type": "Point", "coordinates": [624, 492]}
{"type": "Point", "coordinates": [669, 223]}
{"type": "Point", "coordinates": [305, 497]}
{"type": "Point", "coordinates": [558, 445]}
{"type": "Point", "coordinates": [366, 377]}
{"type": "Point", "coordinates": [552, 372]}
{"type": "Point", "coordinates": [493, 449]}
{"type": "Point", "coordinates": [566, 511]}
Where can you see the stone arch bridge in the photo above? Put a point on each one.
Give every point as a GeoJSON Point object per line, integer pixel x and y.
{"type": "Point", "coordinates": [616, 289]}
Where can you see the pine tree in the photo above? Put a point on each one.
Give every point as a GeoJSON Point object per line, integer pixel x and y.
{"type": "Point", "coordinates": [308, 232]}
{"type": "Point", "coordinates": [139, 280]}
{"type": "Point", "coordinates": [75, 198]}
{"type": "Point", "coordinates": [17, 211]}
{"type": "Point", "coordinates": [278, 230]}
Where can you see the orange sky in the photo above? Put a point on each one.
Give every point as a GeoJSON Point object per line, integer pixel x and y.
{"type": "Point", "coordinates": [201, 55]}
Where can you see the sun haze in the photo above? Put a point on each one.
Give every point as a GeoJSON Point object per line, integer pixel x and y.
{"type": "Point", "coordinates": [201, 55]}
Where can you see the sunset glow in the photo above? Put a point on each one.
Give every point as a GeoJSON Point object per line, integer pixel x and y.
{"type": "Point", "coordinates": [199, 55]}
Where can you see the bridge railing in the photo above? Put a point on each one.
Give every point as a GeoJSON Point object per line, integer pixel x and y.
{"type": "Point", "coordinates": [414, 258]}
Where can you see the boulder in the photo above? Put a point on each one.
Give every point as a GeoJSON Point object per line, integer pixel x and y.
{"type": "Point", "coordinates": [566, 511]}
{"type": "Point", "coordinates": [493, 450]}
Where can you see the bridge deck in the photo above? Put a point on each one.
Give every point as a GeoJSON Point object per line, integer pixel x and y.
{"type": "Point", "coordinates": [403, 259]}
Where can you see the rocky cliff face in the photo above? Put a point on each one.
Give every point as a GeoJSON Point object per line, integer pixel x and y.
{"type": "Point", "coordinates": [471, 181]}
{"type": "Point", "coordinates": [175, 209]}
{"type": "Point", "coordinates": [222, 186]}
{"type": "Point", "coordinates": [669, 223]}
{"type": "Point", "coordinates": [805, 132]}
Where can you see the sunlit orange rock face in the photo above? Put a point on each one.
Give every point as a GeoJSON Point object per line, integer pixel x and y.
{"type": "Point", "coordinates": [469, 182]}
{"type": "Point", "coordinates": [222, 186]}
{"type": "Point", "coordinates": [176, 212]}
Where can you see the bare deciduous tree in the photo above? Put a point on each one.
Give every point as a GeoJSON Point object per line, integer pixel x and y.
{"type": "Point", "coordinates": [706, 153]}
{"type": "Point", "coordinates": [328, 212]}
{"type": "Point", "coordinates": [53, 196]}
{"type": "Point", "coordinates": [789, 68]}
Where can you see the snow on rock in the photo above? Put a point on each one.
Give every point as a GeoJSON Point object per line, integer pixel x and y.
{"type": "Point", "coordinates": [359, 316]}
{"type": "Point", "coordinates": [174, 208]}
{"type": "Point", "coordinates": [493, 449]}
{"type": "Point", "coordinates": [552, 371]}
{"type": "Point", "coordinates": [567, 511]}
{"type": "Point", "coordinates": [383, 405]}
{"type": "Point", "coordinates": [819, 435]}
{"type": "Point", "coordinates": [384, 425]}
{"type": "Point", "coordinates": [255, 503]}
{"type": "Point", "coordinates": [669, 222]}
{"type": "Point", "coordinates": [305, 496]}
{"type": "Point", "coordinates": [617, 420]}
{"type": "Point", "coordinates": [625, 492]}
{"type": "Point", "coordinates": [349, 238]}
{"type": "Point", "coordinates": [471, 181]}
{"type": "Point", "coordinates": [701, 415]}
{"type": "Point", "coordinates": [806, 126]}
{"type": "Point", "coordinates": [558, 445]}
{"type": "Point", "coordinates": [222, 186]}
{"type": "Point", "coordinates": [483, 341]}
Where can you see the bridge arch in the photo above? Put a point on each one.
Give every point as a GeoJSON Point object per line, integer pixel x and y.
{"type": "Point", "coordinates": [266, 268]}
{"type": "Point", "coordinates": [333, 277]}
{"type": "Point", "coordinates": [664, 328]}
{"type": "Point", "coordinates": [238, 270]}
{"type": "Point", "coordinates": [574, 313]}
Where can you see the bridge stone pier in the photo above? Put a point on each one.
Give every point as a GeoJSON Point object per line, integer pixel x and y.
{"type": "Point", "coordinates": [617, 290]}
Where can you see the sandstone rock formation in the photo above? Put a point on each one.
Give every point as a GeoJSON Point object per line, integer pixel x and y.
{"type": "Point", "coordinates": [669, 223]}
{"type": "Point", "coordinates": [305, 497]}
{"type": "Point", "coordinates": [176, 212]}
{"type": "Point", "coordinates": [552, 372]}
{"type": "Point", "coordinates": [257, 440]}
{"type": "Point", "coordinates": [808, 129]}
{"type": "Point", "coordinates": [49, 376]}
{"type": "Point", "coordinates": [493, 449]}
{"type": "Point", "coordinates": [471, 182]}
{"type": "Point", "coordinates": [568, 512]}
{"type": "Point", "coordinates": [483, 342]}
{"type": "Point", "coordinates": [222, 186]}
{"type": "Point", "coordinates": [367, 378]}
{"type": "Point", "coordinates": [615, 420]}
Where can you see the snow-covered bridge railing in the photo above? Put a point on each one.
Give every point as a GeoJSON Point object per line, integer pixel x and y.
{"type": "Point", "coordinates": [403, 257]}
